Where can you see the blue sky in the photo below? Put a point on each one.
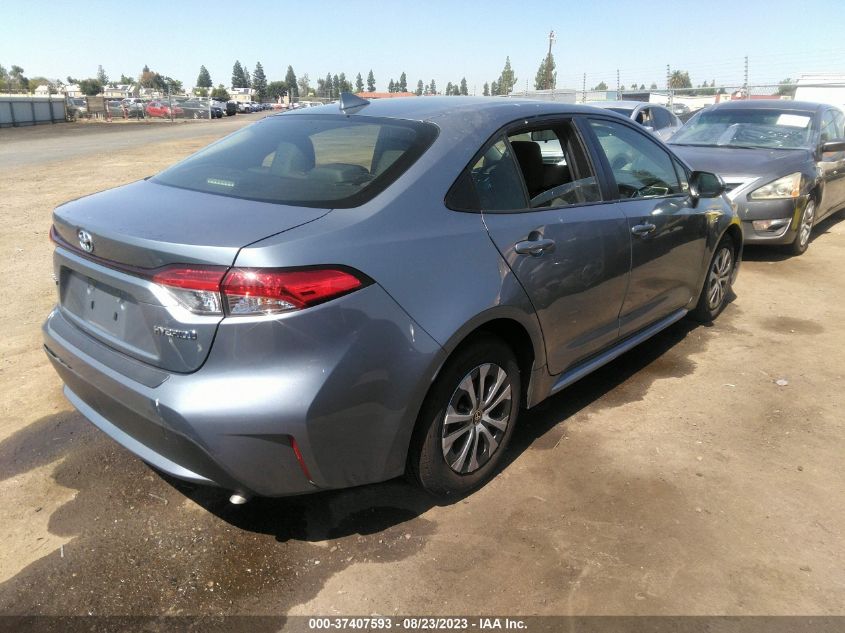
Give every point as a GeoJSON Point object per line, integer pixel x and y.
{"type": "Point", "coordinates": [428, 40]}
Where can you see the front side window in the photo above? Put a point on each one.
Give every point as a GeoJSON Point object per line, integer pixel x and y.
{"type": "Point", "coordinates": [641, 168]}
{"type": "Point", "coordinates": [828, 131]}
{"type": "Point", "coordinates": [320, 161]}
{"type": "Point", "coordinates": [662, 118]}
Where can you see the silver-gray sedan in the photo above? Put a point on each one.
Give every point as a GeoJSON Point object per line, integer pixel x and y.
{"type": "Point", "coordinates": [337, 296]}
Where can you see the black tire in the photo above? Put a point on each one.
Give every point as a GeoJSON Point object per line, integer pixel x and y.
{"type": "Point", "coordinates": [801, 242]}
{"type": "Point", "coordinates": [427, 458]}
{"type": "Point", "coordinates": [707, 308]}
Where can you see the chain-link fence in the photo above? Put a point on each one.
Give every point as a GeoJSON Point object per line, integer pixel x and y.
{"type": "Point", "coordinates": [684, 102]}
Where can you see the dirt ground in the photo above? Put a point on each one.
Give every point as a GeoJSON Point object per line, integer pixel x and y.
{"type": "Point", "coordinates": [681, 479]}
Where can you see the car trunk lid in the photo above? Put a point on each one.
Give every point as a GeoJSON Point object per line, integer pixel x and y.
{"type": "Point", "coordinates": [133, 231]}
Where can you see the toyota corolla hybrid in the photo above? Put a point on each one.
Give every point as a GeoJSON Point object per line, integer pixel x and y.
{"type": "Point", "coordinates": [328, 299]}
{"type": "Point", "coordinates": [783, 162]}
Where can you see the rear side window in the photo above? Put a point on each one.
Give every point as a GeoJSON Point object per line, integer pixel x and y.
{"type": "Point", "coordinates": [641, 168]}
{"type": "Point", "coordinates": [662, 118]}
{"type": "Point", "coordinates": [497, 181]}
{"type": "Point", "coordinates": [322, 161]}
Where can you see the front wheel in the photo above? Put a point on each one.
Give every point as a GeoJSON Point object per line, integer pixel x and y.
{"type": "Point", "coordinates": [717, 287]}
{"type": "Point", "coordinates": [467, 419]}
{"type": "Point", "coordinates": [802, 238]}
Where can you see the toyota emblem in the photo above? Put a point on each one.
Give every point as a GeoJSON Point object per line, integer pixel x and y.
{"type": "Point", "coordinates": [86, 242]}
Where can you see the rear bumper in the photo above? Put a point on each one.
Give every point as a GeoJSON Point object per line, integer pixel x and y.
{"type": "Point", "coordinates": [344, 379]}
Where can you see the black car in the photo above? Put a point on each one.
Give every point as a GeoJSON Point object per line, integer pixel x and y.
{"type": "Point", "coordinates": [783, 162]}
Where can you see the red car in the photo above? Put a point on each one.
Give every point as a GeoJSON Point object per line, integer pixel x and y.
{"type": "Point", "coordinates": [161, 109]}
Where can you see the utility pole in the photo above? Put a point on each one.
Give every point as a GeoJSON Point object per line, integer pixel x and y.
{"type": "Point", "coordinates": [745, 80]}
{"type": "Point", "coordinates": [618, 87]}
{"type": "Point", "coordinates": [669, 84]}
{"type": "Point", "coordinates": [549, 61]}
{"type": "Point", "coordinates": [584, 89]}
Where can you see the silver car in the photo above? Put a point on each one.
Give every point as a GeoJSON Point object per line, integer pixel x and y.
{"type": "Point", "coordinates": [335, 297]}
{"type": "Point", "coordinates": [657, 119]}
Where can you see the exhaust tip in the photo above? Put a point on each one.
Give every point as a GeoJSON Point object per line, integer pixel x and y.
{"type": "Point", "coordinates": [238, 500]}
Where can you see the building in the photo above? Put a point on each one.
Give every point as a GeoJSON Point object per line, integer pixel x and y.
{"type": "Point", "coordinates": [241, 95]}
{"type": "Point", "coordinates": [71, 91]}
{"type": "Point", "coordinates": [122, 91]}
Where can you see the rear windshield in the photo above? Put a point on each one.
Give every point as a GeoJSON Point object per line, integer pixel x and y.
{"type": "Point", "coordinates": [324, 161]}
{"type": "Point", "coordinates": [763, 128]}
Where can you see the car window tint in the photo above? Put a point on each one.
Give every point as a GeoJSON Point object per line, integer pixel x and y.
{"type": "Point", "coordinates": [641, 168]}
{"type": "Point", "coordinates": [497, 180]}
{"type": "Point", "coordinates": [554, 167]}
{"type": "Point", "coordinates": [305, 160]}
{"type": "Point", "coordinates": [682, 175]}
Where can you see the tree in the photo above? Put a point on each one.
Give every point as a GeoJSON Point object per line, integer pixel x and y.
{"type": "Point", "coordinates": [259, 82]}
{"type": "Point", "coordinates": [220, 93]}
{"type": "Point", "coordinates": [507, 80]}
{"type": "Point", "coordinates": [403, 83]}
{"type": "Point", "coordinates": [4, 77]}
{"type": "Point", "coordinates": [102, 77]}
{"type": "Point", "coordinates": [17, 79]}
{"type": "Point", "coordinates": [204, 78]}
{"type": "Point", "coordinates": [601, 86]}
{"type": "Point", "coordinates": [127, 80]}
{"type": "Point", "coordinates": [345, 84]}
{"type": "Point", "coordinates": [391, 86]}
{"type": "Point", "coordinates": [653, 86]}
{"type": "Point", "coordinates": [432, 87]}
{"type": "Point", "coordinates": [494, 88]}
{"type": "Point", "coordinates": [277, 89]}
{"type": "Point", "coordinates": [464, 91]}
{"type": "Point", "coordinates": [303, 86]}
{"type": "Point", "coordinates": [238, 77]}
{"type": "Point", "coordinates": [449, 89]}
{"type": "Point", "coordinates": [420, 88]}
{"type": "Point", "coordinates": [335, 86]}
{"type": "Point", "coordinates": [679, 79]}
{"type": "Point", "coordinates": [642, 86]}
{"type": "Point", "coordinates": [359, 83]}
{"type": "Point", "coordinates": [293, 84]}
{"type": "Point", "coordinates": [34, 82]}
{"type": "Point", "coordinates": [327, 86]}
{"type": "Point", "coordinates": [91, 86]}
{"type": "Point", "coordinates": [486, 92]}
{"type": "Point", "coordinates": [371, 82]}
{"type": "Point", "coordinates": [546, 75]}
{"type": "Point", "coordinates": [786, 88]}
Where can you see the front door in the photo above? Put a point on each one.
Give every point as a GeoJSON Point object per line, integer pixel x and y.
{"type": "Point", "coordinates": [668, 234]}
{"type": "Point", "coordinates": [568, 248]}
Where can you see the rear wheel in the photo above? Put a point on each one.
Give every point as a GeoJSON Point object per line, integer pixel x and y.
{"type": "Point", "coordinates": [802, 238]}
{"type": "Point", "coordinates": [717, 287]}
{"type": "Point", "coordinates": [467, 419]}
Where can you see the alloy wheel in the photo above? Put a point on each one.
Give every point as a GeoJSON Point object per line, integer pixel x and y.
{"type": "Point", "coordinates": [807, 220]}
{"type": "Point", "coordinates": [719, 278]}
{"type": "Point", "coordinates": [476, 418]}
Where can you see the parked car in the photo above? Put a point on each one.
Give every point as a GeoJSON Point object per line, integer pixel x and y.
{"type": "Point", "coordinates": [390, 301]}
{"type": "Point", "coordinates": [134, 106]}
{"type": "Point", "coordinates": [77, 107]}
{"type": "Point", "coordinates": [163, 109]}
{"type": "Point", "coordinates": [783, 162]}
{"type": "Point", "coordinates": [194, 109]}
{"type": "Point", "coordinates": [231, 108]}
{"type": "Point", "coordinates": [655, 118]}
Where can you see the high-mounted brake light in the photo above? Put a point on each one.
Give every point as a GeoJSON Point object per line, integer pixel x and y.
{"type": "Point", "coordinates": [244, 292]}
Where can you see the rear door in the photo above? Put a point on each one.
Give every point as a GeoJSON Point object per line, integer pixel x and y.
{"type": "Point", "coordinates": [570, 250]}
{"type": "Point", "coordinates": [668, 234]}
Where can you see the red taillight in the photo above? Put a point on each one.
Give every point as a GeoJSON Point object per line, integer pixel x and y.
{"type": "Point", "coordinates": [191, 278]}
{"type": "Point", "coordinates": [263, 291]}
{"type": "Point", "coordinates": [244, 292]}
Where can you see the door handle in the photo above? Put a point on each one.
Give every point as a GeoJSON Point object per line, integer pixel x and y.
{"type": "Point", "coordinates": [534, 247]}
{"type": "Point", "coordinates": [643, 229]}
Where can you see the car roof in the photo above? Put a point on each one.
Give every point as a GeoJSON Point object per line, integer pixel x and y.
{"type": "Point", "coordinates": [769, 104]}
{"type": "Point", "coordinates": [623, 104]}
{"type": "Point", "coordinates": [484, 110]}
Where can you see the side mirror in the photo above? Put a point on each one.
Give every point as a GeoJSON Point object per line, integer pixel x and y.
{"type": "Point", "coordinates": [703, 184]}
{"type": "Point", "coordinates": [832, 147]}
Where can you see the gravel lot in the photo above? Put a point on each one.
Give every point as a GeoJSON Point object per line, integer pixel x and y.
{"type": "Point", "coordinates": [681, 479]}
